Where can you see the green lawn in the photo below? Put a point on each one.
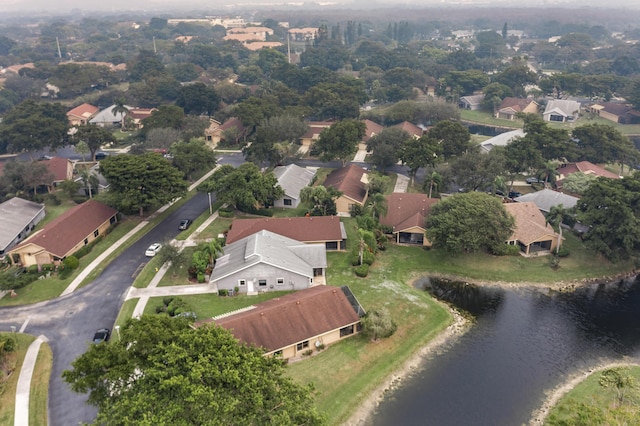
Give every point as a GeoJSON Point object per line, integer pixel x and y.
{"type": "Point", "coordinates": [218, 226]}
{"type": "Point", "coordinates": [39, 393]}
{"type": "Point", "coordinates": [591, 393]}
{"type": "Point", "coordinates": [483, 117]}
{"type": "Point", "coordinates": [12, 365]}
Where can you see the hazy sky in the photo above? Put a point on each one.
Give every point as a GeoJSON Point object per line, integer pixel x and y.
{"type": "Point", "coordinates": [42, 7]}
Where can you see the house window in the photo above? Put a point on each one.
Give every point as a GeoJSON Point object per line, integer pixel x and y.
{"type": "Point", "coordinates": [300, 346]}
{"type": "Point", "coordinates": [262, 283]}
{"type": "Point", "coordinates": [277, 354]}
{"type": "Point", "coordinates": [86, 241]}
{"type": "Point", "coordinates": [112, 220]}
{"type": "Point", "coordinates": [287, 202]}
{"type": "Point", "coordinates": [96, 232]}
{"type": "Point", "coordinates": [556, 118]}
{"type": "Point", "coordinates": [280, 281]}
{"type": "Point", "coordinates": [242, 282]}
{"type": "Point", "coordinates": [345, 331]}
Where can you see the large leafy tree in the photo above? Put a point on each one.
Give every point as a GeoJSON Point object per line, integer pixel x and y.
{"type": "Point", "coordinates": [165, 117]}
{"type": "Point", "coordinates": [162, 371]}
{"type": "Point", "coordinates": [422, 152]}
{"type": "Point", "coordinates": [340, 141]}
{"type": "Point", "coordinates": [244, 187]}
{"type": "Point", "coordinates": [32, 126]}
{"type": "Point", "coordinates": [453, 136]}
{"type": "Point", "coordinates": [387, 147]}
{"type": "Point", "coordinates": [611, 209]}
{"type": "Point", "coordinates": [139, 182]}
{"type": "Point", "coordinates": [475, 172]}
{"type": "Point", "coordinates": [552, 144]}
{"type": "Point", "coordinates": [197, 98]}
{"type": "Point", "coordinates": [321, 198]}
{"type": "Point", "coordinates": [469, 222]}
{"type": "Point", "coordinates": [192, 157]}
{"type": "Point", "coordinates": [275, 137]}
{"type": "Point", "coordinates": [601, 143]}
{"type": "Point", "coordinates": [94, 137]}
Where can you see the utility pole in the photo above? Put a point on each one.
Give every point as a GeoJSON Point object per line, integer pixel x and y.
{"type": "Point", "coordinates": [59, 52]}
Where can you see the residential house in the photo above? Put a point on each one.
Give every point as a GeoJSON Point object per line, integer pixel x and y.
{"type": "Point", "coordinates": [248, 34]}
{"type": "Point", "coordinates": [312, 135]}
{"type": "Point", "coordinates": [257, 45]}
{"type": "Point", "coordinates": [503, 139]}
{"type": "Point", "coordinates": [548, 198]}
{"type": "Point", "coordinates": [217, 131]}
{"type": "Point", "coordinates": [561, 111]}
{"type": "Point", "coordinates": [86, 189]}
{"type": "Point", "coordinates": [135, 116]}
{"type": "Point", "coordinates": [413, 130]}
{"type": "Point", "coordinates": [351, 181]}
{"type": "Point", "coordinates": [510, 107]}
{"type": "Point", "coordinates": [266, 261]}
{"type": "Point", "coordinates": [472, 102]}
{"type": "Point", "coordinates": [585, 167]}
{"type": "Point", "coordinates": [292, 179]}
{"type": "Point", "coordinates": [80, 115]}
{"type": "Point", "coordinates": [66, 234]}
{"type": "Point", "coordinates": [293, 324]}
{"type": "Point", "coordinates": [61, 169]}
{"type": "Point", "coordinates": [18, 217]}
{"type": "Point", "coordinates": [372, 128]}
{"type": "Point", "coordinates": [107, 118]}
{"type": "Point", "coordinates": [327, 230]}
{"type": "Point", "coordinates": [406, 215]}
{"type": "Point", "coordinates": [616, 112]}
{"type": "Point", "coordinates": [532, 233]}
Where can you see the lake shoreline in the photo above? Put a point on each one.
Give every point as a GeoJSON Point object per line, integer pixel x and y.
{"type": "Point", "coordinates": [460, 325]}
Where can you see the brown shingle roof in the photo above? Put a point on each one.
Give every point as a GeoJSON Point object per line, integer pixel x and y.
{"type": "Point", "coordinates": [64, 232]}
{"type": "Point", "coordinates": [516, 104]}
{"type": "Point", "coordinates": [585, 167]}
{"type": "Point", "coordinates": [530, 223]}
{"type": "Point", "coordinates": [410, 128]}
{"type": "Point", "coordinates": [59, 168]}
{"type": "Point", "coordinates": [315, 128]}
{"type": "Point", "coordinates": [405, 211]}
{"type": "Point", "coordinates": [348, 180]}
{"type": "Point", "coordinates": [371, 130]}
{"type": "Point", "coordinates": [305, 229]}
{"type": "Point", "coordinates": [290, 319]}
{"type": "Point", "coordinates": [85, 111]}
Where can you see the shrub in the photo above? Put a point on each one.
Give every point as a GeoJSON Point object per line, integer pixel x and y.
{"type": "Point", "coordinates": [200, 277]}
{"type": "Point", "coordinates": [71, 262]}
{"type": "Point", "coordinates": [167, 300]}
{"type": "Point", "coordinates": [563, 252]}
{"type": "Point", "coordinates": [362, 270]}
{"type": "Point", "coordinates": [377, 324]}
{"type": "Point", "coordinates": [33, 269]}
{"type": "Point", "coordinates": [160, 309]}
{"type": "Point", "coordinates": [355, 259]}
{"type": "Point", "coordinates": [506, 250]}
{"type": "Point", "coordinates": [368, 257]}
{"type": "Point", "coordinates": [223, 292]}
{"type": "Point", "coordinates": [7, 344]}
{"type": "Point", "coordinates": [356, 210]}
{"type": "Point", "coordinates": [264, 212]}
{"type": "Point", "coordinates": [236, 290]}
{"type": "Point", "coordinates": [48, 267]}
{"type": "Point", "coordinates": [307, 352]}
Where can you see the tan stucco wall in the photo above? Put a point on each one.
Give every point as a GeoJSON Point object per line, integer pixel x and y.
{"type": "Point", "coordinates": [326, 339]}
{"type": "Point", "coordinates": [343, 203]}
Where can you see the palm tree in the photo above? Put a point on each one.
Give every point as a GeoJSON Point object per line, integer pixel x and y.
{"type": "Point", "coordinates": [213, 249]}
{"type": "Point", "coordinates": [554, 218]}
{"type": "Point", "coordinates": [378, 205]}
{"type": "Point", "coordinates": [120, 108]}
{"type": "Point", "coordinates": [548, 174]}
{"type": "Point", "coordinates": [435, 180]}
{"type": "Point", "coordinates": [90, 181]}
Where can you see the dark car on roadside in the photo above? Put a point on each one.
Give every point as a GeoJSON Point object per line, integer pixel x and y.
{"type": "Point", "coordinates": [531, 180]}
{"type": "Point", "coordinates": [515, 194]}
{"type": "Point", "coordinates": [101, 335]}
{"type": "Point", "coordinates": [101, 155]}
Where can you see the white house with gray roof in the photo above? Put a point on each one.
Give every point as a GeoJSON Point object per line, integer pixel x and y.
{"type": "Point", "coordinates": [547, 198]}
{"type": "Point", "coordinates": [561, 111]}
{"type": "Point", "coordinates": [106, 117]}
{"type": "Point", "coordinates": [502, 139]}
{"type": "Point", "coordinates": [266, 261]}
{"type": "Point", "coordinates": [18, 218]}
{"type": "Point", "coordinates": [292, 179]}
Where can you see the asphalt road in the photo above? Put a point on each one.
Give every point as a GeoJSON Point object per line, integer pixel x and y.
{"type": "Point", "coordinates": [69, 322]}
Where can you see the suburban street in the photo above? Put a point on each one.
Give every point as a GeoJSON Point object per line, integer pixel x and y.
{"type": "Point", "coordinates": [69, 322]}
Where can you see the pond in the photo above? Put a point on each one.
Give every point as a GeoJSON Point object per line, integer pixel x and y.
{"type": "Point", "coordinates": [522, 344]}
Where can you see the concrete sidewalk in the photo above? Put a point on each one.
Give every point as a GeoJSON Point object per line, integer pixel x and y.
{"type": "Point", "coordinates": [402, 183]}
{"type": "Point", "coordinates": [21, 414]}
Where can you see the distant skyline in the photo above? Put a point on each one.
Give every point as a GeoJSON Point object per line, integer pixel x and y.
{"type": "Point", "coordinates": [61, 7]}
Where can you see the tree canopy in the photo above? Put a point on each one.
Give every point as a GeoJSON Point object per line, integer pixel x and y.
{"type": "Point", "coordinates": [32, 126]}
{"type": "Point", "coordinates": [387, 147]}
{"type": "Point", "coordinates": [473, 221]}
{"type": "Point", "coordinates": [193, 156]}
{"type": "Point", "coordinates": [340, 141]}
{"type": "Point", "coordinates": [611, 209]}
{"type": "Point", "coordinates": [94, 137]}
{"type": "Point", "coordinates": [244, 187]}
{"type": "Point", "coordinates": [162, 371]}
{"type": "Point", "coordinates": [138, 182]}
